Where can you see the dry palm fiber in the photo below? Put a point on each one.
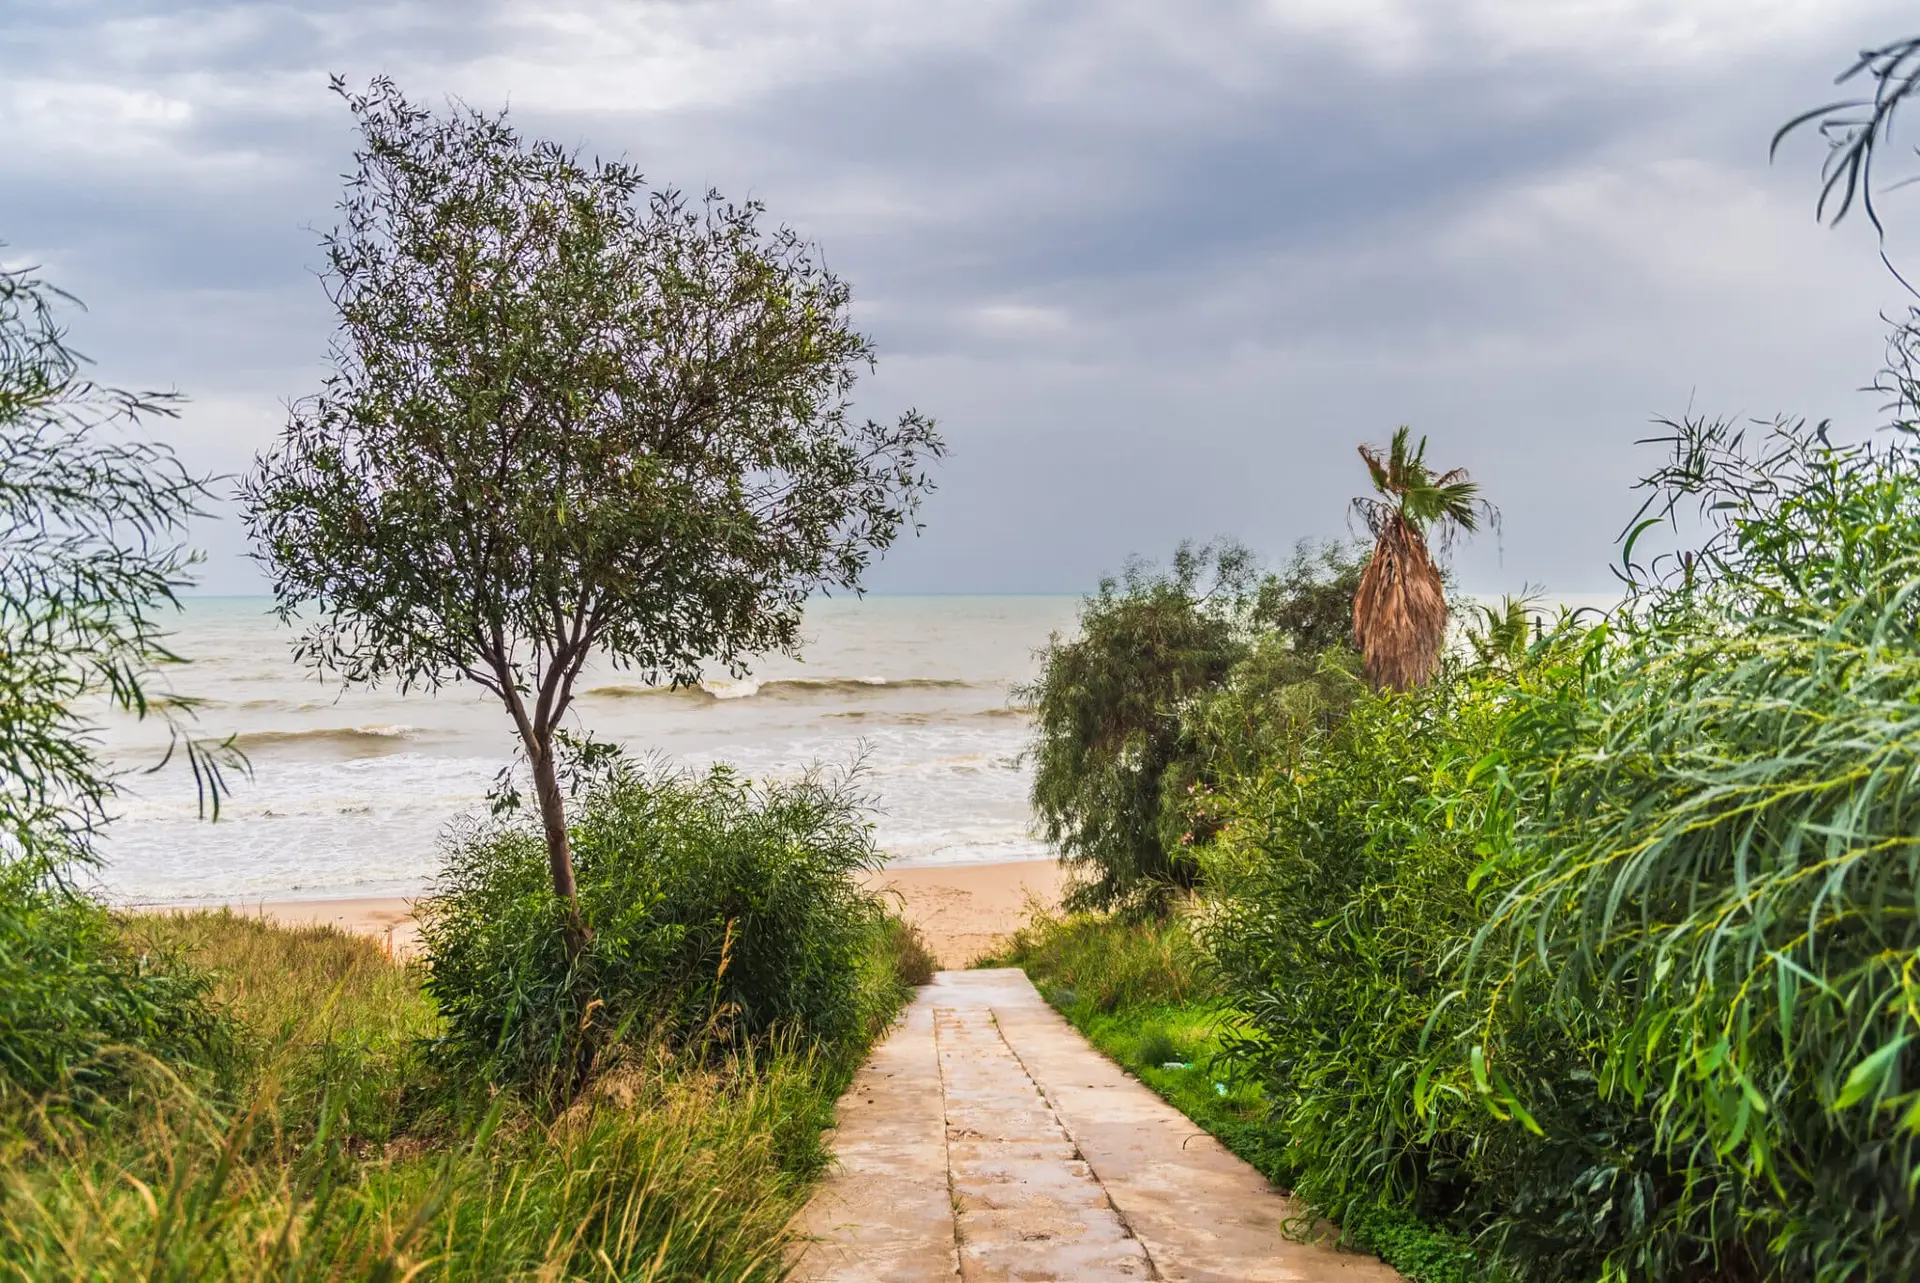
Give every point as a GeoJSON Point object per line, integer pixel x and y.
{"type": "Point", "coordinates": [1400, 608]}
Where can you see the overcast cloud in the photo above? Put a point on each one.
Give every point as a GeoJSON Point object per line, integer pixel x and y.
{"type": "Point", "coordinates": [1156, 267]}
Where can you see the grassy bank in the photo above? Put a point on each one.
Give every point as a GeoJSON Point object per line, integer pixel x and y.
{"type": "Point", "coordinates": [337, 1141]}
{"type": "Point", "coordinates": [1142, 993]}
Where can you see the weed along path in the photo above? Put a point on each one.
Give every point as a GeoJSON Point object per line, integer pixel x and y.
{"type": "Point", "coordinates": [985, 1139]}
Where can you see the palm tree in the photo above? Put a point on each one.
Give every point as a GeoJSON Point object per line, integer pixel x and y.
{"type": "Point", "coordinates": [1502, 634]}
{"type": "Point", "coordinates": [1400, 610]}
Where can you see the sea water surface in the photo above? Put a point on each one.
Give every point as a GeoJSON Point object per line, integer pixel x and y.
{"type": "Point", "coordinates": [352, 789]}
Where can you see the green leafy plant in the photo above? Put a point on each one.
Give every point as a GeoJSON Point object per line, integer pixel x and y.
{"type": "Point", "coordinates": [78, 1007]}
{"type": "Point", "coordinates": [1601, 954]}
{"type": "Point", "coordinates": [90, 561]}
{"type": "Point", "coordinates": [1340, 889]}
{"type": "Point", "coordinates": [1108, 963]}
{"type": "Point", "coordinates": [721, 912]}
{"type": "Point", "coordinates": [1721, 890]}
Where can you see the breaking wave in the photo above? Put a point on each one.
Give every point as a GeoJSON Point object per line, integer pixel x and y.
{"type": "Point", "coordinates": [790, 688]}
{"type": "Point", "coordinates": [357, 737]}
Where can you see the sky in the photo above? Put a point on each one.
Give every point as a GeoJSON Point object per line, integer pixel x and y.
{"type": "Point", "coordinates": [1156, 268]}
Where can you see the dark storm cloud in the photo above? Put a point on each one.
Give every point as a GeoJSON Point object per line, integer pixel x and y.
{"type": "Point", "coordinates": [1156, 267]}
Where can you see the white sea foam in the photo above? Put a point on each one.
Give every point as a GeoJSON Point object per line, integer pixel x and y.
{"type": "Point", "coordinates": [351, 791]}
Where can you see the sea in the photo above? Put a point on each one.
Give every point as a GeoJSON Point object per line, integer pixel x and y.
{"type": "Point", "coordinates": [351, 791]}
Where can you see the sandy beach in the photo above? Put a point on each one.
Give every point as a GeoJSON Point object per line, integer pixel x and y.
{"type": "Point", "coordinates": [962, 909]}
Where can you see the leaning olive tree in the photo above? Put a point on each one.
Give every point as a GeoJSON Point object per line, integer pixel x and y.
{"type": "Point", "coordinates": [567, 415]}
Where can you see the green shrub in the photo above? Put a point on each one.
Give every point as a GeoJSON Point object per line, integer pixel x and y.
{"type": "Point", "coordinates": [719, 909]}
{"type": "Point", "coordinates": [1156, 1048]}
{"type": "Point", "coordinates": [1340, 901]}
{"type": "Point", "coordinates": [1106, 717]}
{"type": "Point", "coordinates": [1276, 701]}
{"type": "Point", "coordinates": [76, 1003]}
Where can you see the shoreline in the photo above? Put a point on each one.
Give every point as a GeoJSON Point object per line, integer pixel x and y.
{"type": "Point", "coordinates": [963, 910]}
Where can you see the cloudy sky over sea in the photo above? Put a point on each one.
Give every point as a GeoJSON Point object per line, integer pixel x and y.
{"type": "Point", "coordinates": [1157, 267]}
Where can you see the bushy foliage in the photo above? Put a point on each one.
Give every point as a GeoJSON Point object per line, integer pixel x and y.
{"type": "Point", "coordinates": [1272, 706]}
{"type": "Point", "coordinates": [1603, 952]}
{"type": "Point", "coordinates": [718, 909]}
{"type": "Point", "coordinates": [1117, 764]}
{"type": "Point", "coordinates": [1724, 875]}
{"type": "Point", "coordinates": [1309, 600]}
{"type": "Point", "coordinates": [905, 953]}
{"type": "Point", "coordinates": [76, 1003]}
{"type": "Point", "coordinates": [1106, 712]}
{"type": "Point", "coordinates": [90, 516]}
{"type": "Point", "coordinates": [1107, 963]}
{"type": "Point", "coordinates": [1339, 896]}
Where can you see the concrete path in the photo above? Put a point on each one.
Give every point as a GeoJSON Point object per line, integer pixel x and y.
{"type": "Point", "coordinates": [985, 1139]}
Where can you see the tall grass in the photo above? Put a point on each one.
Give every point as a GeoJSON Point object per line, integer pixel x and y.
{"type": "Point", "coordinates": [1724, 882]}
{"type": "Point", "coordinates": [1107, 963]}
{"type": "Point", "coordinates": [71, 991]}
{"type": "Point", "coordinates": [323, 1014]}
{"type": "Point", "coordinates": [342, 1147]}
{"type": "Point", "coordinates": [681, 1174]}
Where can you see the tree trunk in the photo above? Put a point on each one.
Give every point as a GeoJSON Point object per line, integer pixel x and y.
{"type": "Point", "coordinates": [553, 817]}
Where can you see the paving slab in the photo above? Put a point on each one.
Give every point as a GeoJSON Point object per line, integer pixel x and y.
{"type": "Point", "coordinates": [884, 1214]}
{"type": "Point", "coordinates": [987, 1140]}
{"type": "Point", "coordinates": [1026, 1205]}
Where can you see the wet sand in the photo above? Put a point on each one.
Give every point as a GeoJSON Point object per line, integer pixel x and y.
{"type": "Point", "coordinates": [964, 910]}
